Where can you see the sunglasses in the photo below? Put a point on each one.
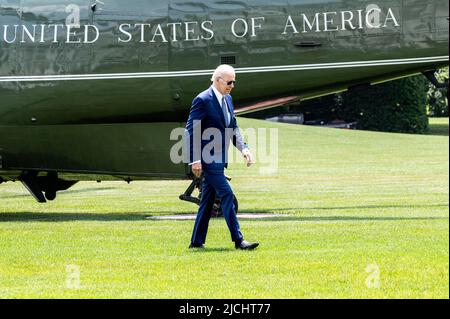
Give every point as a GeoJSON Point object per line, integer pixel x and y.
{"type": "Point", "coordinates": [229, 83]}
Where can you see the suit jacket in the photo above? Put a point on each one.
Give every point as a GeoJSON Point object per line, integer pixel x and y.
{"type": "Point", "coordinates": [207, 138]}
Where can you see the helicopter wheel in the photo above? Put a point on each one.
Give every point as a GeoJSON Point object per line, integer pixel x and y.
{"type": "Point", "coordinates": [50, 195]}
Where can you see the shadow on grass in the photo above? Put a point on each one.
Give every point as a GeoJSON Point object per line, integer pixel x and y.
{"type": "Point", "coordinates": [67, 217]}
{"type": "Point", "coordinates": [112, 217]}
{"type": "Point", "coordinates": [87, 190]}
{"type": "Point", "coordinates": [212, 250]}
{"type": "Point", "coordinates": [350, 218]}
{"type": "Point", "coordinates": [305, 209]}
{"type": "Point", "coordinates": [345, 218]}
{"type": "Point", "coordinates": [439, 130]}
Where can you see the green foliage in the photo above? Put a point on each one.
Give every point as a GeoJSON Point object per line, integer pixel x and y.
{"type": "Point", "coordinates": [396, 106]}
{"type": "Point", "coordinates": [438, 98]}
{"type": "Point", "coordinates": [322, 108]}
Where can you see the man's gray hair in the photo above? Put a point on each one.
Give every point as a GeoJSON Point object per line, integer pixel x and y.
{"type": "Point", "coordinates": [221, 71]}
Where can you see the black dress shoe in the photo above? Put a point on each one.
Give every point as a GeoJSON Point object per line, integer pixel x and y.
{"type": "Point", "coordinates": [192, 246]}
{"type": "Point", "coordinates": [245, 245]}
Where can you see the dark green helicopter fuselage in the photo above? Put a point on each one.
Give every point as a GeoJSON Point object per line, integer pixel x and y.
{"type": "Point", "coordinates": [94, 89]}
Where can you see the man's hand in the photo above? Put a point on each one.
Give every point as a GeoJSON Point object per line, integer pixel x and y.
{"type": "Point", "coordinates": [249, 157]}
{"type": "Point", "coordinates": [197, 169]}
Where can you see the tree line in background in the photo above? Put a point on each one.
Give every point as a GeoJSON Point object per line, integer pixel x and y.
{"type": "Point", "coordinates": [438, 99]}
{"type": "Point", "coordinates": [398, 106]}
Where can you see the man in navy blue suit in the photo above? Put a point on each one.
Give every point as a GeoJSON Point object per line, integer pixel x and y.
{"type": "Point", "coordinates": [210, 128]}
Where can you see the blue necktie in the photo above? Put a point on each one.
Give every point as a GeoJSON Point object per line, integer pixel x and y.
{"type": "Point", "coordinates": [225, 111]}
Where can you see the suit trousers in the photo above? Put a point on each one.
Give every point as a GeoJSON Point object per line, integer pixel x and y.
{"type": "Point", "coordinates": [215, 182]}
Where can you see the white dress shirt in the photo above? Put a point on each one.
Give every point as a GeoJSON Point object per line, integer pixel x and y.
{"type": "Point", "coordinates": [220, 97]}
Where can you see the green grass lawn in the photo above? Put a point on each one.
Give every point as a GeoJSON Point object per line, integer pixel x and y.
{"type": "Point", "coordinates": [353, 199]}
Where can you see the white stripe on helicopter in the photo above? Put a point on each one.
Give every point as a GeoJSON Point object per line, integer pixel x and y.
{"type": "Point", "coordinates": [172, 74]}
